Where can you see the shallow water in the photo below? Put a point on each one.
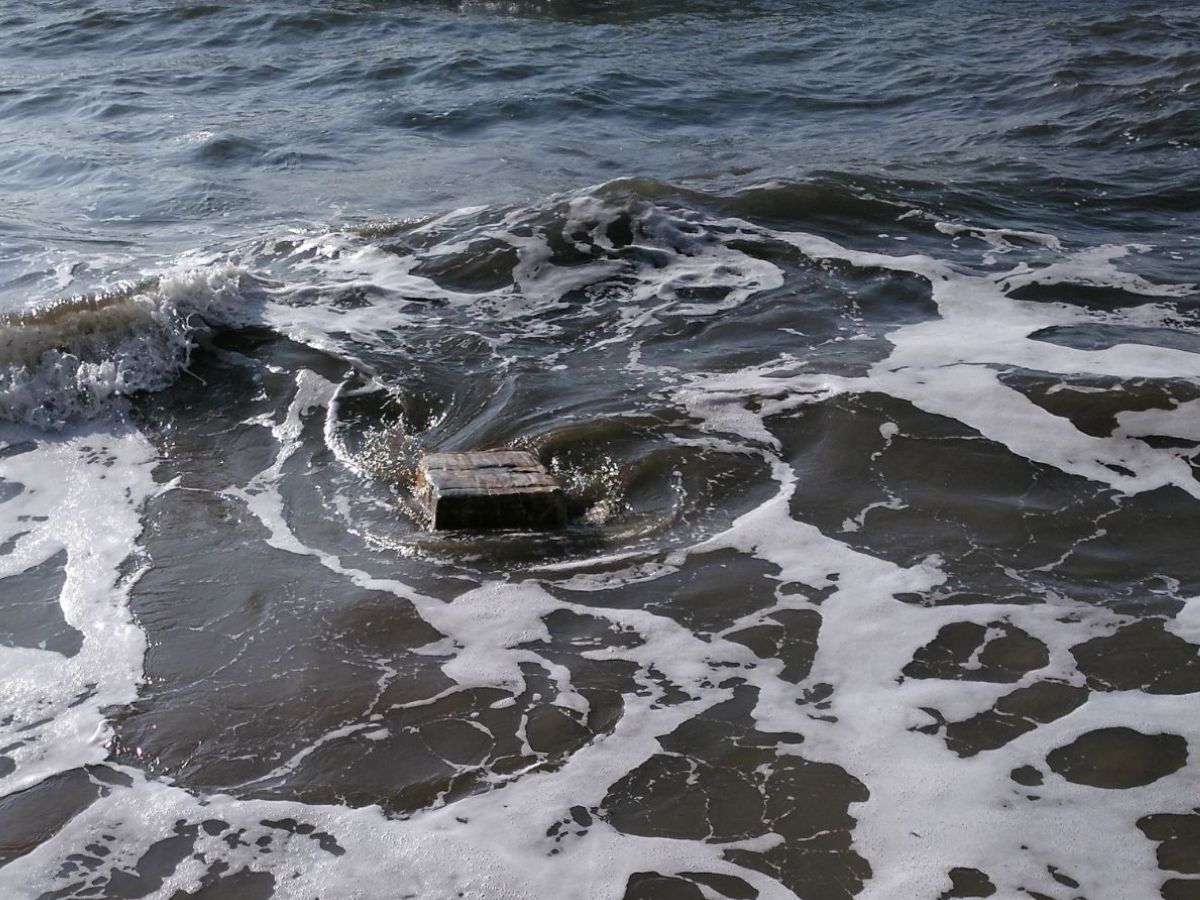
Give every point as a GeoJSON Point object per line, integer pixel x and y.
{"type": "Point", "coordinates": [865, 339]}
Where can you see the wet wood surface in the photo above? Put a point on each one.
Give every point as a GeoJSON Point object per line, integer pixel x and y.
{"type": "Point", "coordinates": [489, 490]}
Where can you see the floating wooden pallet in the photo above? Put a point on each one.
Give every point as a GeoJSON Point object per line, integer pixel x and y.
{"type": "Point", "coordinates": [492, 489]}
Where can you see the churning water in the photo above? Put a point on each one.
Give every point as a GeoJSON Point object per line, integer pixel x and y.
{"type": "Point", "coordinates": [865, 336]}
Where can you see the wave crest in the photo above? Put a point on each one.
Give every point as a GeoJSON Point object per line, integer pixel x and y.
{"type": "Point", "coordinates": [77, 358]}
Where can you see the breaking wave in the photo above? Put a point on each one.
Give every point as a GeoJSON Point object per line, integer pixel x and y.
{"type": "Point", "coordinates": [76, 358]}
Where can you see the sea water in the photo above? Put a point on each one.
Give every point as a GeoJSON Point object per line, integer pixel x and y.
{"type": "Point", "coordinates": [865, 338]}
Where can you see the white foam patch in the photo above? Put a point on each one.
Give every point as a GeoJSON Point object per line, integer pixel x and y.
{"type": "Point", "coordinates": [1000, 239]}
{"type": "Point", "coordinates": [1187, 623]}
{"type": "Point", "coordinates": [951, 366]}
{"type": "Point", "coordinates": [82, 494]}
{"type": "Point", "coordinates": [479, 853]}
{"type": "Point", "coordinates": [1181, 421]}
{"type": "Point", "coordinates": [693, 259]}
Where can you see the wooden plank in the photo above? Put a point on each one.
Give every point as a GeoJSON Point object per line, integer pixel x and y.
{"type": "Point", "coordinates": [492, 489]}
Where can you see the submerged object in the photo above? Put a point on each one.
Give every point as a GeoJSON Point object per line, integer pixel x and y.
{"type": "Point", "coordinates": [492, 489]}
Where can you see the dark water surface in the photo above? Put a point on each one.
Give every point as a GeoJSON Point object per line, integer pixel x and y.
{"type": "Point", "coordinates": [865, 338]}
{"type": "Point", "coordinates": [147, 129]}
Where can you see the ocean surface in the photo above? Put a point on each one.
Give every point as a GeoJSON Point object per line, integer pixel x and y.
{"type": "Point", "coordinates": [865, 337]}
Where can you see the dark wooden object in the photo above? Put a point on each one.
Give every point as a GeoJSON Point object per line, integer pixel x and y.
{"type": "Point", "coordinates": [493, 489]}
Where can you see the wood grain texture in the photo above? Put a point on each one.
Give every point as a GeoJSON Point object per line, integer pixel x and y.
{"type": "Point", "coordinates": [489, 490]}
